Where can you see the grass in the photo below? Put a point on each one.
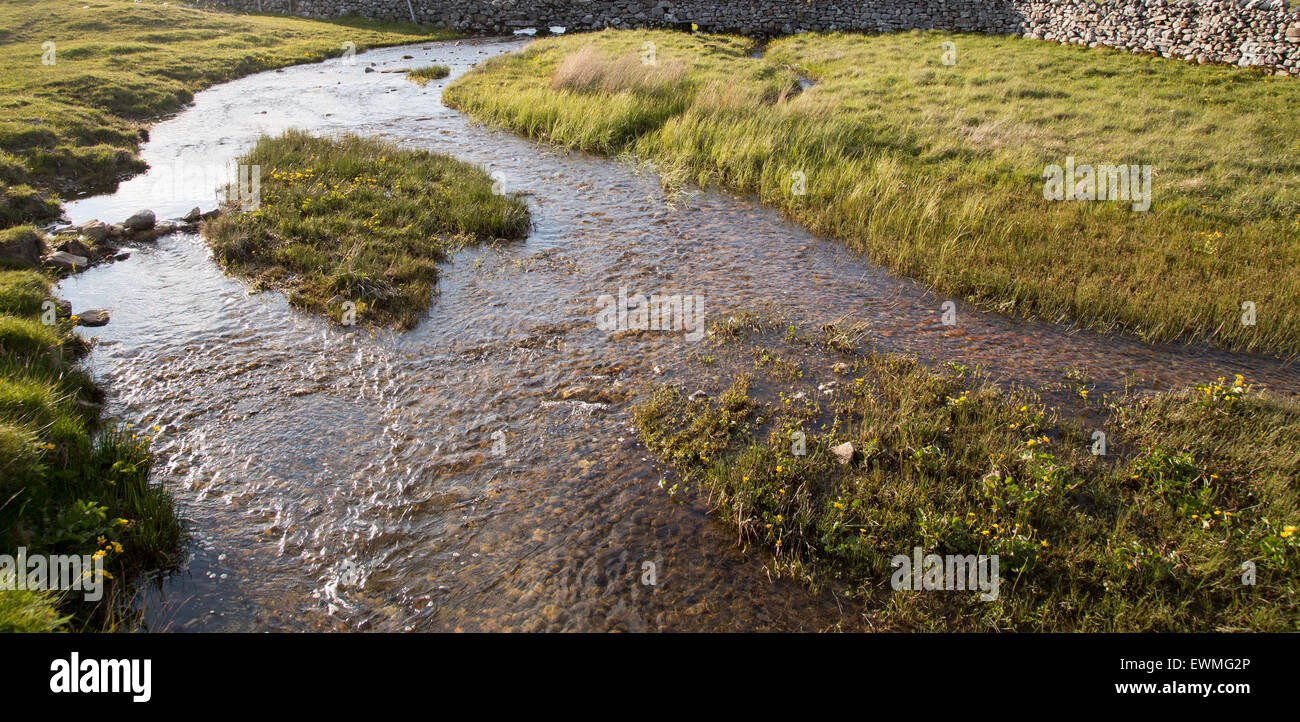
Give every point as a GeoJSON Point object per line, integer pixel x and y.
{"type": "Point", "coordinates": [359, 221]}
{"type": "Point", "coordinates": [68, 485]}
{"type": "Point", "coordinates": [424, 75]}
{"type": "Point", "coordinates": [29, 611]}
{"type": "Point", "coordinates": [936, 171]}
{"type": "Point", "coordinates": [1150, 537]}
{"type": "Point", "coordinates": [75, 126]}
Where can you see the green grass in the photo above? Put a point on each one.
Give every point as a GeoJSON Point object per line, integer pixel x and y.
{"type": "Point", "coordinates": [29, 611]}
{"type": "Point", "coordinates": [935, 171]}
{"type": "Point", "coordinates": [68, 485]}
{"type": "Point", "coordinates": [75, 126]}
{"type": "Point", "coordinates": [1151, 536]}
{"type": "Point", "coordinates": [424, 75]}
{"type": "Point", "coordinates": [359, 220]}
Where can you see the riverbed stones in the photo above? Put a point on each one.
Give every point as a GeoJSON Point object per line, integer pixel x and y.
{"type": "Point", "coordinates": [67, 261]}
{"type": "Point", "coordinates": [94, 230]}
{"type": "Point", "coordinates": [93, 317]}
{"type": "Point", "coordinates": [74, 247]}
{"type": "Point", "coordinates": [140, 221]}
{"type": "Point", "coordinates": [843, 452]}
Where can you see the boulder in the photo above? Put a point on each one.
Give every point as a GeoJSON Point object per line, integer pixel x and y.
{"type": "Point", "coordinates": [93, 317]}
{"type": "Point", "coordinates": [75, 247]}
{"type": "Point", "coordinates": [95, 230]}
{"type": "Point", "coordinates": [140, 221]}
{"type": "Point", "coordinates": [193, 216]}
{"type": "Point", "coordinates": [67, 261]}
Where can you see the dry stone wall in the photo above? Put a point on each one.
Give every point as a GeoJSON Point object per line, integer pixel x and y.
{"type": "Point", "coordinates": [1263, 33]}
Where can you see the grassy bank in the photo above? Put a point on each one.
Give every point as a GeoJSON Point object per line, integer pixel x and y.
{"type": "Point", "coordinates": [73, 113]}
{"type": "Point", "coordinates": [78, 84]}
{"type": "Point", "coordinates": [67, 484]}
{"type": "Point", "coordinates": [359, 221]}
{"type": "Point", "coordinates": [1151, 536]}
{"type": "Point", "coordinates": [936, 171]}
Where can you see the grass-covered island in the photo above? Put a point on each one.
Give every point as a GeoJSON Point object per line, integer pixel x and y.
{"type": "Point", "coordinates": [354, 228]}
{"type": "Point", "coordinates": [933, 163]}
{"type": "Point", "coordinates": [835, 459]}
{"type": "Point", "coordinates": [425, 75]}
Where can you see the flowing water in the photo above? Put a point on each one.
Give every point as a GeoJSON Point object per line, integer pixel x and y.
{"type": "Point", "coordinates": [480, 472]}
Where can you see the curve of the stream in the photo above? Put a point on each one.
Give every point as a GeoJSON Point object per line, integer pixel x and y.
{"type": "Point", "coordinates": [335, 478]}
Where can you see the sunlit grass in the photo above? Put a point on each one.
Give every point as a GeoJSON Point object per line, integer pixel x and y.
{"type": "Point", "coordinates": [1195, 489]}
{"type": "Point", "coordinates": [75, 125]}
{"type": "Point", "coordinates": [427, 74]}
{"type": "Point", "coordinates": [67, 484]}
{"type": "Point", "coordinates": [936, 171]}
{"type": "Point", "coordinates": [358, 226]}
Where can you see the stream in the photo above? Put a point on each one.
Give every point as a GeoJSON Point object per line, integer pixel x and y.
{"type": "Point", "coordinates": [336, 478]}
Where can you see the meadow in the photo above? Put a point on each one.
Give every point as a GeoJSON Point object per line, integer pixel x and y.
{"type": "Point", "coordinates": [936, 170]}
{"type": "Point", "coordinates": [80, 81]}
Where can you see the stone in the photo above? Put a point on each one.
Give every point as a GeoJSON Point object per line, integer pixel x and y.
{"type": "Point", "coordinates": [193, 216]}
{"type": "Point", "coordinates": [843, 452]}
{"type": "Point", "coordinates": [93, 317]}
{"type": "Point", "coordinates": [75, 247]}
{"type": "Point", "coordinates": [140, 221]}
{"type": "Point", "coordinates": [94, 230]}
{"type": "Point", "coordinates": [67, 261]}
